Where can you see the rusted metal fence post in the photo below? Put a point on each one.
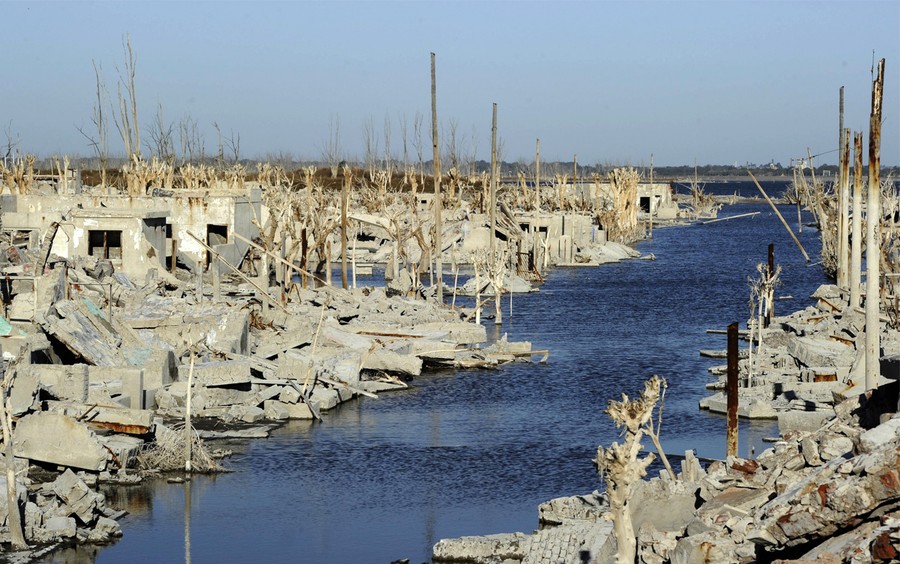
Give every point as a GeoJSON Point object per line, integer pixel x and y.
{"type": "Point", "coordinates": [731, 443]}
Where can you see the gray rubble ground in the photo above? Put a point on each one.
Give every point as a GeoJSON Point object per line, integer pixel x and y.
{"type": "Point", "coordinates": [827, 491]}
{"type": "Point", "coordinates": [808, 360]}
{"type": "Point", "coordinates": [830, 495]}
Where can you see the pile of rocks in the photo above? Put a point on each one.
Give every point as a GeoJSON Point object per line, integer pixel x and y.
{"type": "Point", "coordinates": [806, 361]}
{"type": "Point", "coordinates": [65, 509]}
{"type": "Point", "coordinates": [831, 495]}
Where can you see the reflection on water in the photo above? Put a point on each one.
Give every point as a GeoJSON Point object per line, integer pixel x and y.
{"type": "Point", "coordinates": [475, 452]}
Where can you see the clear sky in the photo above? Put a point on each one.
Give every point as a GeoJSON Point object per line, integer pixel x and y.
{"type": "Point", "coordinates": [718, 82]}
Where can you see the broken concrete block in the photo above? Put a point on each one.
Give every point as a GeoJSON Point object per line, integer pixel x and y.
{"type": "Point", "coordinates": [299, 411]}
{"type": "Point", "coordinates": [160, 369]}
{"type": "Point", "coordinates": [678, 497]}
{"type": "Point", "coordinates": [289, 395]}
{"type": "Point", "coordinates": [835, 446]}
{"type": "Point", "coordinates": [705, 547]}
{"type": "Point", "coordinates": [880, 436]}
{"type": "Point", "coordinates": [266, 393]}
{"type": "Point", "coordinates": [247, 413]}
{"type": "Point", "coordinates": [24, 389]}
{"type": "Point", "coordinates": [804, 421]}
{"type": "Point", "coordinates": [276, 410]}
{"type": "Point", "coordinates": [123, 449]}
{"type": "Point", "coordinates": [106, 528]}
{"type": "Point", "coordinates": [327, 398]}
{"type": "Point", "coordinates": [57, 527]}
{"type": "Point", "coordinates": [231, 333]}
{"type": "Point", "coordinates": [217, 373]}
{"type": "Point", "coordinates": [80, 499]}
{"type": "Point", "coordinates": [820, 351]}
{"type": "Point", "coordinates": [118, 419]}
{"type": "Point", "coordinates": [70, 382]}
{"type": "Point", "coordinates": [291, 367]}
{"type": "Point", "coordinates": [59, 439]}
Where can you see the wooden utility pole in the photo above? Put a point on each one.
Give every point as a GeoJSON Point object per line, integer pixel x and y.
{"type": "Point", "coordinates": [843, 200]}
{"type": "Point", "coordinates": [438, 239]}
{"type": "Point", "coordinates": [188, 429]}
{"type": "Point", "coordinates": [345, 195]}
{"type": "Point", "coordinates": [493, 245]}
{"type": "Point", "coordinates": [575, 172]}
{"type": "Point", "coordinates": [856, 241]}
{"type": "Point", "coordinates": [537, 172]}
{"type": "Point", "coordinates": [731, 437]}
{"type": "Point", "coordinates": [873, 238]}
{"type": "Point", "coordinates": [843, 279]}
{"type": "Point", "coordinates": [651, 195]}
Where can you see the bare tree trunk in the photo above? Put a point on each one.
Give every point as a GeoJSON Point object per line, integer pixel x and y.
{"type": "Point", "coordinates": [873, 240]}
{"type": "Point", "coordinates": [17, 535]}
{"type": "Point", "coordinates": [843, 225]}
{"type": "Point", "coordinates": [856, 241]}
{"type": "Point", "coordinates": [537, 173]}
{"type": "Point", "coordinates": [188, 429]}
{"type": "Point", "coordinates": [493, 208]}
{"type": "Point", "coordinates": [345, 194]}
{"type": "Point", "coordinates": [438, 229]}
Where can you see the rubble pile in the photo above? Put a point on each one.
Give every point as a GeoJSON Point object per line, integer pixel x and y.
{"type": "Point", "coordinates": [63, 510]}
{"type": "Point", "coordinates": [807, 361]}
{"type": "Point", "coordinates": [830, 495]}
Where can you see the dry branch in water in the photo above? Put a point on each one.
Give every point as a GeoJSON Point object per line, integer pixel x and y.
{"type": "Point", "coordinates": [166, 453]}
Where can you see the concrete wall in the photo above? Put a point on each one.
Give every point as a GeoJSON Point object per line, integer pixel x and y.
{"type": "Point", "coordinates": [194, 212]}
{"type": "Point", "coordinates": [138, 252]}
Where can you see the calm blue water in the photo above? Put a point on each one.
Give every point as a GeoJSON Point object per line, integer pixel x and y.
{"type": "Point", "coordinates": [475, 452]}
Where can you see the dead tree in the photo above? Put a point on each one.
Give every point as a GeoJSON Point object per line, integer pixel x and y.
{"type": "Point", "coordinates": [762, 299]}
{"type": "Point", "coordinates": [127, 118]}
{"type": "Point", "coordinates": [100, 142]}
{"type": "Point", "coordinates": [17, 534]}
{"type": "Point", "coordinates": [620, 466]}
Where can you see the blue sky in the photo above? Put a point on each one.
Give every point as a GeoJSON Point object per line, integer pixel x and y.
{"type": "Point", "coordinates": [716, 81]}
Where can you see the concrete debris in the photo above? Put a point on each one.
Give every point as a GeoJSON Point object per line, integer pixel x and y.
{"type": "Point", "coordinates": [807, 361]}
{"type": "Point", "coordinates": [835, 490]}
{"type": "Point", "coordinates": [142, 311]}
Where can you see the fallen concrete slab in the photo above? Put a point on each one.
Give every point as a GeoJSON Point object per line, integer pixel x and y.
{"type": "Point", "coordinates": [59, 439]}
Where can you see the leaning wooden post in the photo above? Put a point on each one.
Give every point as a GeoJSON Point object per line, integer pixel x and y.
{"type": "Point", "coordinates": [856, 230]}
{"type": "Point", "coordinates": [873, 239]}
{"type": "Point", "coordinates": [843, 227]}
{"type": "Point", "coordinates": [345, 192]}
{"type": "Point", "coordinates": [537, 173]}
{"type": "Point", "coordinates": [731, 441]}
{"type": "Point", "coordinates": [438, 229]}
{"type": "Point", "coordinates": [493, 243]}
{"type": "Point", "coordinates": [778, 213]}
